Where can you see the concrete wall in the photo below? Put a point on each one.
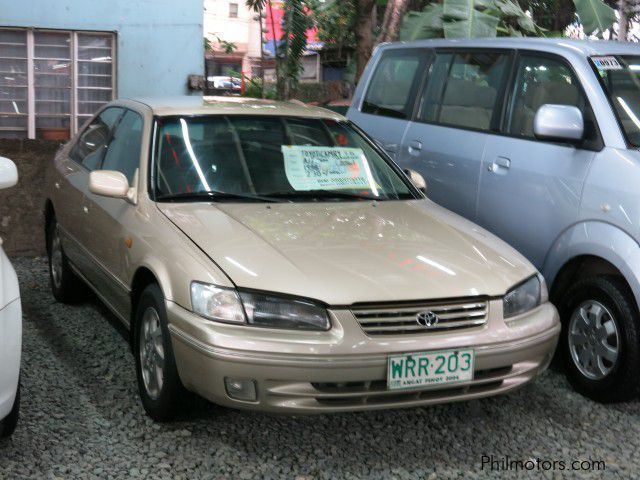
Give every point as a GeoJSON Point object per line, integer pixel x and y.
{"type": "Point", "coordinates": [21, 207]}
{"type": "Point", "coordinates": [159, 41]}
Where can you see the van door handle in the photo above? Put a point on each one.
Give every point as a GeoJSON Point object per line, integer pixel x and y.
{"type": "Point", "coordinates": [390, 147]}
{"type": "Point", "coordinates": [499, 166]}
{"type": "Point", "coordinates": [414, 147]}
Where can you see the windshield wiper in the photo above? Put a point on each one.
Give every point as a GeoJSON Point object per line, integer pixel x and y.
{"type": "Point", "coordinates": [319, 193]}
{"type": "Point", "coordinates": [214, 195]}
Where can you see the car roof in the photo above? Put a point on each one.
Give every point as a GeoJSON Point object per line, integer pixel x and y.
{"type": "Point", "coordinates": [199, 105]}
{"type": "Point", "coordinates": [551, 45]}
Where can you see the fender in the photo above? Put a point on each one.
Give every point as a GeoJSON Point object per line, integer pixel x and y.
{"type": "Point", "coordinates": [599, 239]}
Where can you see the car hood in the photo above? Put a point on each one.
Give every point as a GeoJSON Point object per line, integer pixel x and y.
{"type": "Point", "coordinates": [348, 252]}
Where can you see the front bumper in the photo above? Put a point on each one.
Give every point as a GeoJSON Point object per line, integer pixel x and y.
{"type": "Point", "coordinates": [344, 369]}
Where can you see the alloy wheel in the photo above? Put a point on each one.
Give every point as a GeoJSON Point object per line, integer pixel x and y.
{"type": "Point", "coordinates": [152, 353]}
{"type": "Point", "coordinates": [594, 341]}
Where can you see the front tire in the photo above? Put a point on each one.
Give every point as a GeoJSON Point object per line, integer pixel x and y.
{"type": "Point", "coordinates": [160, 388]}
{"type": "Point", "coordinates": [65, 285]}
{"type": "Point", "coordinates": [10, 422]}
{"type": "Point", "coordinates": [600, 335]}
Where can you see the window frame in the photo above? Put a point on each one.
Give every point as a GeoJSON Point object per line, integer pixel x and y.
{"type": "Point", "coordinates": [233, 14]}
{"type": "Point", "coordinates": [74, 122]}
{"type": "Point", "coordinates": [600, 80]}
{"type": "Point", "coordinates": [425, 58]}
{"type": "Point", "coordinates": [125, 110]}
{"type": "Point", "coordinates": [154, 145]}
{"type": "Point", "coordinates": [496, 114]}
{"type": "Point", "coordinates": [595, 145]}
{"type": "Point", "coordinates": [76, 139]}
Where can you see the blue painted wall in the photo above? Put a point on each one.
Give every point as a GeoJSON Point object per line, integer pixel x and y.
{"type": "Point", "coordinates": [159, 41]}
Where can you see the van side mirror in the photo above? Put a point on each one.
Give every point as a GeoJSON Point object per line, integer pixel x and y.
{"type": "Point", "coordinates": [558, 122]}
{"type": "Point", "coordinates": [111, 183]}
{"type": "Point", "coordinates": [417, 180]}
{"type": "Point", "coordinates": [8, 173]}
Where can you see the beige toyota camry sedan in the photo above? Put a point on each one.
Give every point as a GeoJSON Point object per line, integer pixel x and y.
{"type": "Point", "coordinates": [270, 256]}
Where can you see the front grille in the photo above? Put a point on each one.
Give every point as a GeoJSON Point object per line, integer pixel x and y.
{"type": "Point", "coordinates": [402, 319]}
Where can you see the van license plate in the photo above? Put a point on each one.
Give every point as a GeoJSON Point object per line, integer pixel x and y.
{"type": "Point", "coordinates": [425, 369]}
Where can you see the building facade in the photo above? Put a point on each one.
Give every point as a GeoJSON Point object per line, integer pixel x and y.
{"type": "Point", "coordinates": [61, 61]}
{"type": "Point", "coordinates": [231, 22]}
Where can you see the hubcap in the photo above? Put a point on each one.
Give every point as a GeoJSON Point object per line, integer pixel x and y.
{"type": "Point", "coordinates": [56, 260]}
{"type": "Point", "coordinates": [593, 339]}
{"type": "Point", "coordinates": [151, 353]}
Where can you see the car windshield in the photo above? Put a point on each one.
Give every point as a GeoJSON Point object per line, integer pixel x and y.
{"type": "Point", "coordinates": [620, 76]}
{"type": "Point", "coordinates": [270, 158]}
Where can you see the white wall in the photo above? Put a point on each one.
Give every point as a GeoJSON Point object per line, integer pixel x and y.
{"type": "Point", "coordinates": [244, 31]}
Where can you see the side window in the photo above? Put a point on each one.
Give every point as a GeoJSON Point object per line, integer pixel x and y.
{"type": "Point", "coordinates": [541, 80]}
{"type": "Point", "coordinates": [391, 89]}
{"type": "Point", "coordinates": [462, 89]}
{"type": "Point", "coordinates": [123, 153]}
{"type": "Point", "coordinates": [92, 142]}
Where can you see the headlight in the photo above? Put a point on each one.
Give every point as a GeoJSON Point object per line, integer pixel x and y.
{"type": "Point", "coordinates": [260, 310]}
{"type": "Point", "coordinates": [220, 304]}
{"type": "Point", "coordinates": [278, 312]}
{"type": "Point", "coordinates": [526, 296]}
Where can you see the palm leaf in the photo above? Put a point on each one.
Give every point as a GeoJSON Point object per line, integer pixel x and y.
{"type": "Point", "coordinates": [595, 15]}
{"type": "Point", "coordinates": [463, 19]}
{"type": "Point", "coordinates": [424, 24]}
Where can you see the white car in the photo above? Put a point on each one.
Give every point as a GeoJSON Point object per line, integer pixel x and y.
{"type": "Point", "coordinates": [10, 325]}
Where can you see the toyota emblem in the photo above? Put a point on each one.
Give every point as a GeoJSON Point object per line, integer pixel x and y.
{"type": "Point", "coordinates": [427, 319]}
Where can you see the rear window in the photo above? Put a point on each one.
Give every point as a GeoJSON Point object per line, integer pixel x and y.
{"type": "Point", "coordinates": [392, 86]}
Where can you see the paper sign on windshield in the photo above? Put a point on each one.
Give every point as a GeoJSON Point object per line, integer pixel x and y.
{"type": "Point", "coordinates": [312, 168]}
{"type": "Point", "coordinates": [606, 63]}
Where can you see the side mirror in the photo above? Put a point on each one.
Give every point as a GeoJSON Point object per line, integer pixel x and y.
{"type": "Point", "coordinates": [110, 183]}
{"type": "Point", "coordinates": [8, 173]}
{"type": "Point", "coordinates": [558, 122]}
{"type": "Point", "coordinates": [417, 180]}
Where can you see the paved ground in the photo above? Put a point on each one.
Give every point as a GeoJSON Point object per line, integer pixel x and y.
{"type": "Point", "coordinates": [81, 418]}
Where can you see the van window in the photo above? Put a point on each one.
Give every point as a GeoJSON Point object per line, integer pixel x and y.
{"type": "Point", "coordinates": [462, 89]}
{"type": "Point", "coordinates": [392, 85]}
{"type": "Point", "coordinates": [539, 81]}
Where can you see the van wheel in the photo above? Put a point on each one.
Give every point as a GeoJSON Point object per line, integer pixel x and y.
{"type": "Point", "coordinates": [65, 285]}
{"type": "Point", "coordinates": [8, 425]}
{"type": "Point", "coordinates": [600, 337]}
{"type": "Point", "coordinates": [160, 388]}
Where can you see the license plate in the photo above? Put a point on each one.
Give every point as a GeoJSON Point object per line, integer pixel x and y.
{"type": "Point", "coordinates": [425, 369]}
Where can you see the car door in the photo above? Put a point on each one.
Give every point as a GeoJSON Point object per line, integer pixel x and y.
{"type": "Point", "coordinates": [110, 221]}
{"type": "Point", "coordinates": [458, 107]}
{"type": "Point", "coordinates": [71, 183]}
{"type": "Point", "coordinates": [384, 109]}
{"type": "Point", "coordinates": [530, 189]}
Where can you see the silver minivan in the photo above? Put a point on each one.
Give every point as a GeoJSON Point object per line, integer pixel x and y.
{"type": "Point", "coordinates": [538, 141]}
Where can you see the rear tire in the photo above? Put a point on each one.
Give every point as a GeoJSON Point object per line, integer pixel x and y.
{"type": "Point", "coordinates": [160, 388]}
{"type": "Point", "coordinates": [65, 285]}
{"type": "Point", "coordinates": [10, 422]}
{"type": "Point", "coordinates": [600, 335]}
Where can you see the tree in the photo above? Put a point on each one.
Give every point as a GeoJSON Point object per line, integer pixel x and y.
{"type": "Point", "coordinates": [289, 51]}
{"type": "Point", "coordinates": [363, 34]}
{"type": "Point", "coordinates": [468, 19]}
{"type": "Point", "coordinates": [393, 14]}
{"type": "Point", "coordinates": [257, 7]}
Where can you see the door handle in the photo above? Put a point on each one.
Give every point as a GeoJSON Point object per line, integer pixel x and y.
{"type": "Point", "coordinates": [390, 147]}
{"type": "Point", "coordinates": [414, 147]}
{"type": "Point", "coordinates": [499, 166]}
{"type": "Point", "coordinates": [85, 209]}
